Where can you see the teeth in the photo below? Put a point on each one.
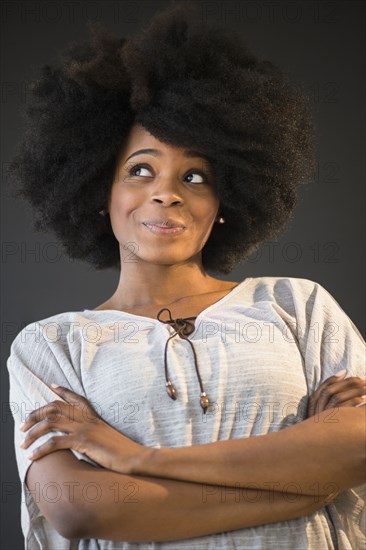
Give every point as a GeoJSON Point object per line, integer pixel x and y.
{"type": "Point", "coordinates": [163, 225]}
{"type": "Point", "coordinates": [166, 225]}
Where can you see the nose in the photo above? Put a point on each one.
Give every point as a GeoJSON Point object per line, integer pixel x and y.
{"type": "Point", "coordinates": [167, 193]}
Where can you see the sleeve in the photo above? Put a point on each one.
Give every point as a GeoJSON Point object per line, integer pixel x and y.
{"type": "Point", "coordinates": [32, 367]}
{"type": "Point", "coordinates": [328, 339]}
{"type": "Point", "coordinates": [330, 342]}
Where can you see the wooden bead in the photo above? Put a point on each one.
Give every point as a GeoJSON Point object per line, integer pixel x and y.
{"type": "Point", "coordinates": [204, 403]}
{"type": "Point", "coordinates": [171, 391]}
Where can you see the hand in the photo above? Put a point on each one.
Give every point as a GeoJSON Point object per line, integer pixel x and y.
{"type": "Point", "coordinates": [86, 432]}
{"type": "Point", "coordinates": [335, 392]}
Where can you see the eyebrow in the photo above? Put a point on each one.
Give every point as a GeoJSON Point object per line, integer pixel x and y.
{"type": "Point", "coordinates": [189, 153]}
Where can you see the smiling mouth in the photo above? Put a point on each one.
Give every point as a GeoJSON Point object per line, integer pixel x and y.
{"type": "Point", "coordinates": [163, 230]}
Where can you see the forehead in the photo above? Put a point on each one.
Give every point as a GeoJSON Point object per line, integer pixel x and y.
{"type": "Point", "coordinates": [139, 138]}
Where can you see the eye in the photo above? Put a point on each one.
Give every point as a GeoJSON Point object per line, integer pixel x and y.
{"type": "Point", "coordinates": [133, 168]}
{"type": "Point", "coordinates": [198, 174]}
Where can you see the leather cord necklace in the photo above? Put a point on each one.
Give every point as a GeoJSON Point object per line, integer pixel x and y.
{"type": "Point", "coordinates": [184, 327]}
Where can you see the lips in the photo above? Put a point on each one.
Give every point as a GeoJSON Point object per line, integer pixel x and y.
{"type": "Point", "coordinates": [159, 230]}
{"type": "Point", "coordinates": [169, 222]}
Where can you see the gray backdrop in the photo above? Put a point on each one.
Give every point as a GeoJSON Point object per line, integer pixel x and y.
{"type": "Point", "coordinates": [319, 43]}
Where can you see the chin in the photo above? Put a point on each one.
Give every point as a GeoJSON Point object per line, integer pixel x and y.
{"type": "Point", "coordinates": [164, 259]}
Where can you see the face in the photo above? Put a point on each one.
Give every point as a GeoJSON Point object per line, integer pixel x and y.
{"type": "Point", "coordinates": [154, 187]}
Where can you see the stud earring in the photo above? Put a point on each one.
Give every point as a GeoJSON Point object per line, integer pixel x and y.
{"type": "Point", "coordinates": [221, 220]}
{"type": "Point", "coordinates": [103, 212]}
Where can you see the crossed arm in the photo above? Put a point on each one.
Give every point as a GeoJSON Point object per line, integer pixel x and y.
{"type": "Point", "coordinates": [170, 494]}
{"type": "Point", "coordinates": [142, 509]}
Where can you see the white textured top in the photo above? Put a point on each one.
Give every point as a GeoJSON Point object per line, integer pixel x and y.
{"type": "Point", "coordinates": [261, 350]}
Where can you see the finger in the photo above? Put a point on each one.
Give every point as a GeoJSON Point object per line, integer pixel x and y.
{"type": "Point", "coordinates": [51, 410]}
{"type": "Point", "coordinates": [69, 395]}
{"type": "Point", "coordinates": [352, 383]}
{"type": "Point", "coordinates": [54, 443]}
{"type": "Point", "coordinates": [327, 390]}
{"type": "Point", "coordinates": [340, 391]}
{"type": "Point", "coordinates": [314, 397]}
{"type": "Point", "coordinates": [43, 428]}
{"type": "Point", "coordinates": [340, 398]}
{"type": "Point", "coordinates": [76, 400]}
{"type": "Point", "coordinates": [346, 399]}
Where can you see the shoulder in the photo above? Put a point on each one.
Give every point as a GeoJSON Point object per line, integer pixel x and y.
{"type": "Point", "coordinates": [295, 296]}
{"type": "Point", "coordinates": [282, 288]}
{"type": "Point", "coordinates": [303, 299]}
{"type": "Point", "coordinates": [52, 344]}
{"type": "Point", "coordinates": [53, 329]}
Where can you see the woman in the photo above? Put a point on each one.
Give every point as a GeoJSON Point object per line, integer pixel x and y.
{"type": "Point", "coordinates": [167, 155]}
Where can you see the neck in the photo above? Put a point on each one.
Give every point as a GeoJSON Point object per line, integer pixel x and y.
{"type": "Point", "coordinates": [141, 284]}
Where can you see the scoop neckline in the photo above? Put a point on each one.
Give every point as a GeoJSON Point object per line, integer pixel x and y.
{"type": "Point", "coordinates": [232, 292]}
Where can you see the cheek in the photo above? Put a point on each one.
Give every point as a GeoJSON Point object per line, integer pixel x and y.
{"type": "Point", "coordinates": [206, 210]}
{"type": "Point", "coordinates": [120, 205]}
{"type": "Point", "coordinates": [121, 202]}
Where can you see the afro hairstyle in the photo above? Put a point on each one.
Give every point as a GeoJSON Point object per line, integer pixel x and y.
{"type": "Point", "coordinates": [189, 85]}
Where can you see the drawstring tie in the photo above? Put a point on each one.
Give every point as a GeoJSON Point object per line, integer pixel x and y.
{"type": "Point", "coordinates": [184, 327]}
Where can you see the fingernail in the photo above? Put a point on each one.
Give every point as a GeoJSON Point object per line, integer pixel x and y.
{"type": "Point", "coordinates": [54, 385]}
{"type": "Point", "coordinates": [30, 456]}
{"type": "Point", "coordinates": [21, 426]}
{"type": "Point", "coordinates": [341, 372]}
{"type": "Point", "coordinates": [361, 404]}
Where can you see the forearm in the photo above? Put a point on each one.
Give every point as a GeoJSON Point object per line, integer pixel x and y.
{"type": "Point", "coordinates": [143, 509]}
{"type": "Point", "coordinates": [99, 503]}
{"type": "Point", "coordinates": [313, 457]}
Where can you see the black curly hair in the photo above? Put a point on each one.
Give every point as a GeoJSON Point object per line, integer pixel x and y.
{"type": "Point", "coordinates": [188, 85]}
